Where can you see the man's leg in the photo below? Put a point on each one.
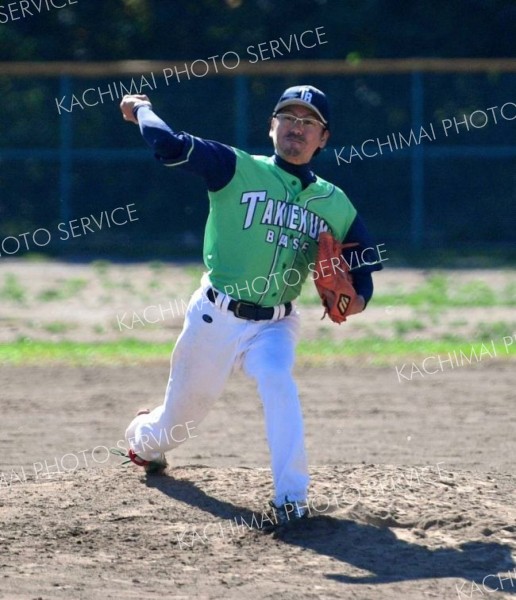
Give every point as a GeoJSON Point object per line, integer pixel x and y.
{"type": "Point", "coordinates": [201, 363]}
{"type": "Point", "coordinates": [269, 360]}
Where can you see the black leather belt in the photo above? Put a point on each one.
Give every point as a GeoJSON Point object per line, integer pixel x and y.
{"type": "Point", "coordinates": [248, 310]}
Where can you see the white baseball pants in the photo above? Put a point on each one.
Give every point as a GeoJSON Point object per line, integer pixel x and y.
{"type": "Point", "coordinates": [213, 341]}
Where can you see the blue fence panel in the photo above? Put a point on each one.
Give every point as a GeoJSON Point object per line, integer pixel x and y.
{"type": "Point", "coordinates": [428, 159]}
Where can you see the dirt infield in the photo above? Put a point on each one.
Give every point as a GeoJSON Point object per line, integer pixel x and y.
{"type": "Point", "coordinates": [413, 485]}
{"type": "Point", "coordinates": [413, 489]}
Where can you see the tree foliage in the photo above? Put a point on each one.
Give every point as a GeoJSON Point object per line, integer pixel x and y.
{"type": "Point", "coordinates": [163, 29]}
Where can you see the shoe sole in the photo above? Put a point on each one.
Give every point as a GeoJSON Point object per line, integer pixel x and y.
{"type": "Point", "coordinates": [278, 527]}
{"type": "Point", "coordinates": [156, 468]}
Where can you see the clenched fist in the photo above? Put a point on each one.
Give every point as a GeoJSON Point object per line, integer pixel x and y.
{"type": "Point", "coordinates": [130, 102]}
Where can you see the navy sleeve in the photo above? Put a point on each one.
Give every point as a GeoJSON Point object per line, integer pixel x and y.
{"type": "Point", "coordinates": [213, 161]}
{"type": "Point", "coordinates": [363, 284]}
{"type": "Point", "coordinates": [362, 259]}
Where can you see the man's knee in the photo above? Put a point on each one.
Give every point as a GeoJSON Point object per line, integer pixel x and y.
{"type": "Point", "coordinates": [273, 375]}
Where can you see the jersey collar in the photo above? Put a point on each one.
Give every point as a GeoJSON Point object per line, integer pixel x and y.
{"type": "Point", "coordinates": [302, 172]}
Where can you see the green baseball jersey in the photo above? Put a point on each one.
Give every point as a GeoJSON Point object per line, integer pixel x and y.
{"type": "Point", "coordinates": [261, 235]}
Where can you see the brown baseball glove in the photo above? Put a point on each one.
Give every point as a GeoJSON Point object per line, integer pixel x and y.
{"type": "Point", "coordinates": [332, 279]}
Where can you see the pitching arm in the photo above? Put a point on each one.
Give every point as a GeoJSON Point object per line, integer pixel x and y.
{"type": "Point", "coordinates": [213, 161]}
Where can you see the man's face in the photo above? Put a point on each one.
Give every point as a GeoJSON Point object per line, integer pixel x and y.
{"type": "Point", "coordinates": [295, 142]}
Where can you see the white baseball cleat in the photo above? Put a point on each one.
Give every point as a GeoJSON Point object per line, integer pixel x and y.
{"type": "Point", "coordinates": [152, 467]}
{"type": "Point", "coordinates": [287, 513]}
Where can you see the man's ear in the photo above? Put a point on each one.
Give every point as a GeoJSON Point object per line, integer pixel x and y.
{"type": "Point", "coordinates": [270, 127]}
{"type": "Point", "coordinates": [325, 136]}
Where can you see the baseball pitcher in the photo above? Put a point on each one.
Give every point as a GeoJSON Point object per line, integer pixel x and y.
{"type": "Point", "coordinates": [268, 217]}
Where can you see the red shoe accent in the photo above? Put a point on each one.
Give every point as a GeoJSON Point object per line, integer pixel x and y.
{"type": "Point", "coordinates": [136, 459]}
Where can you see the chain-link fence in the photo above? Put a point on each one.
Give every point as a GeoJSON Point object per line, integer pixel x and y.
{"type": "Point", "coordinates": [424, 149]}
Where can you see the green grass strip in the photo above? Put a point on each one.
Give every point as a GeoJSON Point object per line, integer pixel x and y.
{"type": "Point", "coordinates": [374, 351]}
{"type": "Point", "coordinates": [81, 353]}
{"type": "Point", "coordinates": [384, 352]}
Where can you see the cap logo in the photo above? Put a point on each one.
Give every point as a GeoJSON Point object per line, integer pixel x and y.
{"type": "Point", "coordinates": [306, 95]}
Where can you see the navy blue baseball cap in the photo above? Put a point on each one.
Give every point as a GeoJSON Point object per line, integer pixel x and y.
{"type": "Point", "coordinates": [306, 95]}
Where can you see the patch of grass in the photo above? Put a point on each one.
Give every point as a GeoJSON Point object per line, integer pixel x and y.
{"type": "Point", "coordinates": [58, 327]}
{"type": "Point", "coordinates": [434, 292]}
{"type": "Point", "coordinates": [431, 313]}
{"type": "Point", "coordinates": [493, 331]}
{"type": "Point", "coordinates": [127, 285]}
{"type": "Point", "coordinates": [35, 257]}
{"type": "Point", "coordinates": [439, 291]}
{"type": "Point", "coordinates": [49, 294]}
{"type": "Point", "coordinates": [404, 326]}
{"type": "Point", "coordinates": [157, 266]}
{"type": "Point", "coordinates": [393, 297]}
{"type": "Point", "coordinates": [194, 271]}
{"type": "Point", "coordinates": [67, 289]}
{"type": "Point", "coordinates": [102, 269]}
{"type": "Point", "coordinates": [458, 323]}
{"type": "Point", "coordinates": [509, 294]}
{"type": "Point", "coordinates": [158, 272]}
{"type": "Point", "coordinates": [26, 350]}
{"type": "Point", "coordinates": [387, 352]}
{"type": "Point", "coordinates": [309, 296]}
{"type": "Point", "coordinates": [474, 293]}
{"type": "Point", "coordinates": [12, 290]}
{"type": "Point", "coordinates": [367, 350]}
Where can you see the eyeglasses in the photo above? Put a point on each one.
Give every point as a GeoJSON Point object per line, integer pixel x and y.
{"type": "Point", "coordinates": [306, 122]}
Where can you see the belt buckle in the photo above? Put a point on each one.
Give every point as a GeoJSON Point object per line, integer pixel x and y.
{"type": "Point", "coordinates": [236, 310]}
